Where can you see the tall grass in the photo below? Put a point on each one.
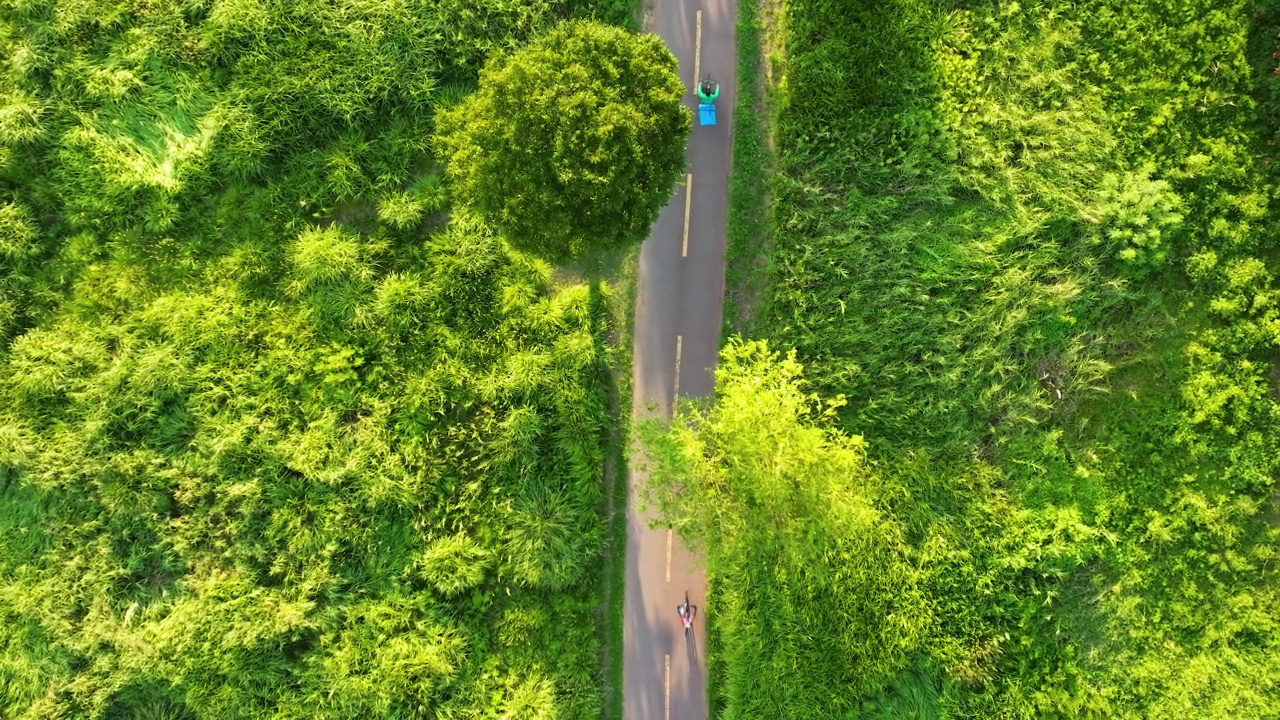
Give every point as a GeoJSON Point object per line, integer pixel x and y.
{"type": "Point", "coordinates": [1038, 269]}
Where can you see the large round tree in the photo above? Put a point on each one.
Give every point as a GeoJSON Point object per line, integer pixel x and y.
{"type": "Point", "coordinates": [571, 143]}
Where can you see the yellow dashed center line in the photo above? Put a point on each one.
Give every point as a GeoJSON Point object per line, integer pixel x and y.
{"type": "Point", "coordinates": [666, 687]}
{"type": "Point", "coordinates": [668, 555]}
{"type": "Point", "coordinates": [679, 342]}
{"type": "Point", "coordinates": [688, 204]}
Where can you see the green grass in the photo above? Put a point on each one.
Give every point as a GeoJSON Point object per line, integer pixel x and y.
{"type": "Point", "coordinates": [1074, 414]}
{"type": "Point", "coordinates": [282, 434]}
{"type": "Point", "coordinates": [747, 232]}
{"type": "Point", "coordinates": [616, 270]}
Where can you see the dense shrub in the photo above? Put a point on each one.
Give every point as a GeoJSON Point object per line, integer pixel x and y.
{"type": "Point", "coordinates": [1139, 217]}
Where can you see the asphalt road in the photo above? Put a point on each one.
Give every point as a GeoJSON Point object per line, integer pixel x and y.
{"type": "Point", "coordinates": [677, 338]}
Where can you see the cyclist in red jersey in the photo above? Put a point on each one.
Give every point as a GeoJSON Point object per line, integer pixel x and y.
{"type": "Point", "coordinates": [687, 613]}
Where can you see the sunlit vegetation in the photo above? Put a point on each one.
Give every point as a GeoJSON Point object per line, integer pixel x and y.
{"type": "Point", "coordinates": [785, 534]}
{"type": "Point", "coordinates": [284, 431]}
{"type": "Point", "coordinates": [1032, 246]}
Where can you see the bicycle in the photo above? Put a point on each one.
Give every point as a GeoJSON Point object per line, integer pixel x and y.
{"type": "Point", "coordinates": [687, 613]}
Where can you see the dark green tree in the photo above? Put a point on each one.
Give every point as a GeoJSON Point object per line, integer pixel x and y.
{"type": "Point", "coordinates": [571, 143]}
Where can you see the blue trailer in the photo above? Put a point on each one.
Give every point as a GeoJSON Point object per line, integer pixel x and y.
{"type": "Point", "coordinates": [708, 90]}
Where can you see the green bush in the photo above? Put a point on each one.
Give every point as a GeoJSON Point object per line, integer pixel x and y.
{"type": "Point", "coordinates": [1139, 216]}
{"type": "Point", "coordinates": [322, 256]}
{"type": "Point", "coordinates": [472, 30]}
{"type": "Point", "coordinates": [400, 210]}
{"type": "Point", "coordinates": [454, 564]}
{"type": "Point", "coordinates": [17, 235]}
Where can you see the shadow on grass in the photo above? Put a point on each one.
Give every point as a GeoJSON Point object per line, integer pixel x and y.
{"type": "Point", "coordinates": [613, 311]}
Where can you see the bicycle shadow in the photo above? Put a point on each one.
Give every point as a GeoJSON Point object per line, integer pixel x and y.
{"type": "Point", "coordinates": [691, 648]}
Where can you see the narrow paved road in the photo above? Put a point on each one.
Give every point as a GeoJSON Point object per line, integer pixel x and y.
{"type": "Point", "coordinates": [677, 338]}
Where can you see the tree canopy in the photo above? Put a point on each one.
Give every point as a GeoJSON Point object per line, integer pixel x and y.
{"type": "Point", "coordinates": [571, 143]}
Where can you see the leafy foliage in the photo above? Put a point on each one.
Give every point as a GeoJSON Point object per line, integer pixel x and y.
{"type": "Point", "coordinates": [17, 235]}
{"type": "Point", "coordinates": [573, 142]}
{"type": "Point", "coordinates": [1138, 213]}
{"type": "Point", "coordinates": [1032, 251]}
{"type": "Point", "coordinates": [785, 510]}
{"type": "Point", "coordinates": [282, 433]}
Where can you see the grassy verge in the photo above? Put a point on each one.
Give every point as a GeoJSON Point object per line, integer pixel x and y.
{"type": "Point", "coordinates": [614, 565]}
{"type": "Point", "coordinates": [716, 666]}
{"type": "Point", "coordinates": [746, 257]}
{"type": "Point", "coordinates": [613, 279]}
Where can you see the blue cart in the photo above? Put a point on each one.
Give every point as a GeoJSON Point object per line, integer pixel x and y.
{"type": "Point", "coordinates": [708, 90]}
